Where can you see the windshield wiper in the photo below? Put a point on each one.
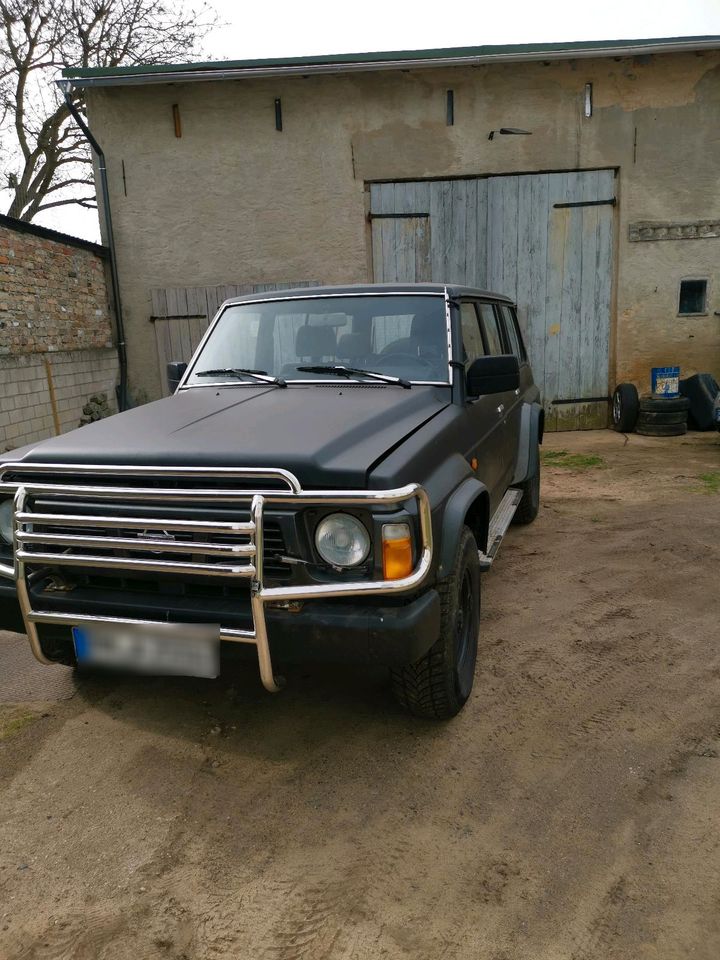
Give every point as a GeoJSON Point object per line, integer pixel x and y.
{"type": "Point", "coordinates": [261, 376]}
{"type": "Point", "coordinates": [343, 371]}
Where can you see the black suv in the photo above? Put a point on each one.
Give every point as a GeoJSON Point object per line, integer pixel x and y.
{"type": "Point", "coordinates": [336, 467]}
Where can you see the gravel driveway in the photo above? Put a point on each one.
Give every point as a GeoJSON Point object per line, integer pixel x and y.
{"type": "Point", "coordinates": [569, 813]}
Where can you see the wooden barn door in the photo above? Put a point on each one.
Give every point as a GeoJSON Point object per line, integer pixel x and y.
{"type": "Point", "coordinates": [550, 249]}
{"type": "Point", "coordinates": [181, 316]}
{"type": "Point", "coordinates": [543, 239]}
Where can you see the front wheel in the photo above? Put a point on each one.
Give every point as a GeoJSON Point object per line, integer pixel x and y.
{"type": "Point", "coordinates": [438, 685]}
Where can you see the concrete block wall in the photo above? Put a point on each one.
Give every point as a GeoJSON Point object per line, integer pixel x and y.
{"type": "Point", "coordinates": [25, 411]}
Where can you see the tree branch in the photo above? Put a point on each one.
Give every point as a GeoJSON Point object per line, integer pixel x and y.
{"type": "Point", "coordinates": [38, 35]}
{"type": "Point", "coordinates": [90, 203]}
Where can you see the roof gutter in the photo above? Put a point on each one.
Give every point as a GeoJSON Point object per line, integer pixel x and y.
{"type": "Point", "coordinates": [409, 63]}
{"type": "Point", "coordinates": [66, 87]}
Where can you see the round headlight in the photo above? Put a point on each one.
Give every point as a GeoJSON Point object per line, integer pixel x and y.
{"type": "Point", "coordinates": [341, 540]}
{"type": "Point", "coordinates": [6, 516]}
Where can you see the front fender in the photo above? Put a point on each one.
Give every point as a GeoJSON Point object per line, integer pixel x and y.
{"type": "Point", "coordinates": [471, 497]}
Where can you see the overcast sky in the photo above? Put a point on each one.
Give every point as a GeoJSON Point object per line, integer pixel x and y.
{"type": "Point", "coordinates": [302, 27]}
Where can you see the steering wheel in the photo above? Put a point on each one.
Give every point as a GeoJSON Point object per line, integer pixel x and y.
{"type": "Point", "coordinates": [403, 358]}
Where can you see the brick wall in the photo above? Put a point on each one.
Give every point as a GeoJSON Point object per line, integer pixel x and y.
{"type": "Point", "coordinates": [54, 308]}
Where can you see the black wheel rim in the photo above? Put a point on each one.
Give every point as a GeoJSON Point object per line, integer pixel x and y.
{"type": "Point", "coordinates": [465, 623]}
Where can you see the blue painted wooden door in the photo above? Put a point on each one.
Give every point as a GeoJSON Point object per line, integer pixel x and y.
{"type": "Point", "coordinates": [543, 239]}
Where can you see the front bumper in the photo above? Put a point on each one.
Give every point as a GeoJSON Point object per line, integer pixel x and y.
{"type": "Point", "coordinates": [347, 628]}
{"type": "Point", "coordinates": [329, 631]}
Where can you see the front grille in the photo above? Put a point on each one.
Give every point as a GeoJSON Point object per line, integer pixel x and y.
{"type": "Point", "coordinates": [184, 533]}
{"type": "Point", "coordinates": [211, 549]}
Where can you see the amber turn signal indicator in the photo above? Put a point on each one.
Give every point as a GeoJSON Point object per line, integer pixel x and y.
{"type": "Point", "coordinates": [397, 551]}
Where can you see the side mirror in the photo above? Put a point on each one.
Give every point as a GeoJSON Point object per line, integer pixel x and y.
{"type": "Point", "coordinates": [175, 372]}
{"type": "Point", "coordinates": [493, 375]}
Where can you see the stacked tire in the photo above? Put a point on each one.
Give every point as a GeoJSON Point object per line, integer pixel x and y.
{"type": "Point", "coordinates": [652, 416]}
{"type": "Point", "coordinates": [663, 416]}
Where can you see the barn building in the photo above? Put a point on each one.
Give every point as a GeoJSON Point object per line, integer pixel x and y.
{"type": "Point", "coordinates": [581, 179]}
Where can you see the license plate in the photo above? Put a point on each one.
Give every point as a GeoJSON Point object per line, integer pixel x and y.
{"type": "Point", "coordinates": [189, 650]}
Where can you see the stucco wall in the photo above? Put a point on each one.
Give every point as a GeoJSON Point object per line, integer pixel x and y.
{"type": "Point", "coordinates": [233, 200]}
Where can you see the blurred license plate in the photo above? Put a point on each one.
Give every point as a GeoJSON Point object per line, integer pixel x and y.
{"type": "Point", "coordinates": [189, 650]}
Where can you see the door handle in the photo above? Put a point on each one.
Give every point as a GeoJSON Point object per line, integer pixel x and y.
{"type": "Point", "coordinates": [501, 408]}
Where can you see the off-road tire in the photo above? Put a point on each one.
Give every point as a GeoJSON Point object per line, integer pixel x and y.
{"type": "Point", "coordinates": [664, 404]}
{"type": "Point", "coordinates": [529, 506]}
{"type": "Point", "coordinates": [625, 407]}
{"type": "Point", "coordinates": [438, 685]}
{"type": "Point", "coordinates": [661, 429]}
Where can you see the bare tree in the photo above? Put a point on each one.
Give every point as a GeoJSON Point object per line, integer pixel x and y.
{"type": "Point", "coordinates": [45, 160]}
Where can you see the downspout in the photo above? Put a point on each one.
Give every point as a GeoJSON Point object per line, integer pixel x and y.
{"type": "Point", "coordinates": [66, 86]}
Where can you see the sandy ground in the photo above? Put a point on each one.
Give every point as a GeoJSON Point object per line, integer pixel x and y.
{"type": "Point", "coordinates": [570, 812]}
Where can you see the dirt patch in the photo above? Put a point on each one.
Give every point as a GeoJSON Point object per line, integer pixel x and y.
{"type": "Point", "coordinates": [23, 679]}
{"type": "Point", "coordinates": [569, 813]}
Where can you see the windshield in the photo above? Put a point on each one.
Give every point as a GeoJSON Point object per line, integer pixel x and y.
{"type": "Point", "coordinates": [404, 336]}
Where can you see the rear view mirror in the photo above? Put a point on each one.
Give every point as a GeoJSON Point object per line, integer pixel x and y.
{"type": "Point", "coordinates": [175, 372]}
{"type": "Point", "coordinates": [493, 375]}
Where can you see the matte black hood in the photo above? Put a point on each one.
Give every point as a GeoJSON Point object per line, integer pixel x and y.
{"type": "Point", "coordinates": [326, 435]}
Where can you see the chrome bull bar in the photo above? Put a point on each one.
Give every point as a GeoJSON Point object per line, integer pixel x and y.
{"type": "Point", "coordinates": [234, 560]}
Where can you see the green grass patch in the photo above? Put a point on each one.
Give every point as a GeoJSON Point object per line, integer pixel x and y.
{"type": "Point", "coordinates": [13, 721]}
{"type": "Point", "coordinates": [571, 461]}
{"type": "Point", "coordinates": [710, 482]}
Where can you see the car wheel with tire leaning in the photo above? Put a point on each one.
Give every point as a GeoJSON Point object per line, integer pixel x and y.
{"type": "Point", "coordinates": [438, 685]}
{"type": "Point", "coordinates": [625, 407]}
{"type": "Point", "coordinates": [529, 506]}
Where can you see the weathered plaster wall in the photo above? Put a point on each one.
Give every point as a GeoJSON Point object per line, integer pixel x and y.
{"type": "Point", "coordinates": [233, 200]}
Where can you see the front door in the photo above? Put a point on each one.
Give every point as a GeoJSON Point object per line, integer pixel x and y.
{"type": "Point", "coordinates": [487, 429]}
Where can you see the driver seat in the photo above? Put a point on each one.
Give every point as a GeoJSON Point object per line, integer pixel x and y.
{"type": "Point", "coordinates": [426, 338]}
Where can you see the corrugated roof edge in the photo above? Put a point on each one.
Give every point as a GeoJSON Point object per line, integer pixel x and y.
{"type": "Point", "coordinates": [158, 73]}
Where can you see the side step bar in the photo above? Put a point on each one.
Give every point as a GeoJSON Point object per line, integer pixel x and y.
{"type": "Point", "coordinates": [501, 520]}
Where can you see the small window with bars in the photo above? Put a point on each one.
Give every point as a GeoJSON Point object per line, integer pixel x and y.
{"type": "Point", "coordinates": [693, 297]}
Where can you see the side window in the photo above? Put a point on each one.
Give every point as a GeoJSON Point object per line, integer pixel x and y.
{"type": "Point", "coordinates": [491, 329]}
{"type": "Point", "coordinates": [513, 333]}
{"type": "Point", "coordinates": [472, 338]}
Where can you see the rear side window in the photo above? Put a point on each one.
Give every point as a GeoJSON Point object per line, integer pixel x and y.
{"type": "Point", "coordinates": [513, 333]}
{"type": "Point", "coordinates": [491, 329]}
{"type": "Point", "coordinates": [473, 346]}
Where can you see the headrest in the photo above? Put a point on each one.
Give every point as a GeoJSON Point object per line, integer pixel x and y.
{"type": "Point", "coordinates": [315, 341]}
{"type": "Point", "coordinates": [428, 327]}
{"type": "Point", "coordinates": [352, 345]}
